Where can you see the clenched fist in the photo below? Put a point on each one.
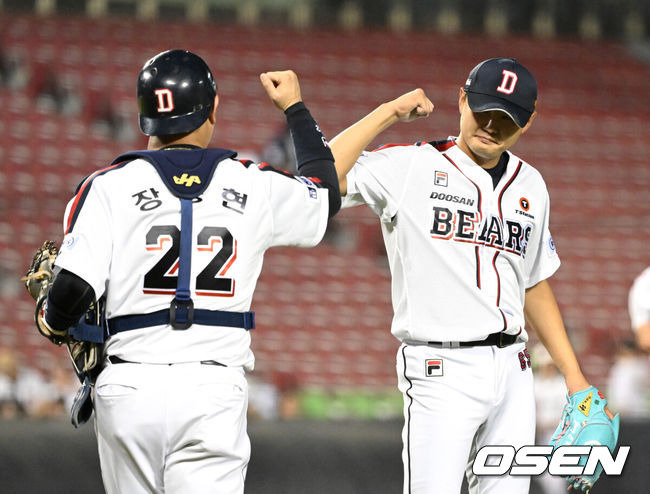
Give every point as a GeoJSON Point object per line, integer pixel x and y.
{"type": "Point", "coordinates": [412, 105]}
{"type": "Point", "coordinates": [282, 87]}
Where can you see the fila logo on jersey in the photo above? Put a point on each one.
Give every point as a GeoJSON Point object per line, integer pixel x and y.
{"type": "Point", "coordinates": [433, 368]}
{"type": "Point", "coordinates": [441, 179]}
{"type": "Point", "coordinates": [165, 100]}
{"type": "Point", "coordinates": [187, 180]}
{"type": "Point", "coordinates": [508, 82]}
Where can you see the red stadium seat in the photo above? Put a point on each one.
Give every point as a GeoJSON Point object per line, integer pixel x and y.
{"type": "Point", "coordinates": [318, 308]}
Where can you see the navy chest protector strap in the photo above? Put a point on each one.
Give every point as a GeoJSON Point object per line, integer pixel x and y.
{"type": "Point", "coordinates": [186, 173]}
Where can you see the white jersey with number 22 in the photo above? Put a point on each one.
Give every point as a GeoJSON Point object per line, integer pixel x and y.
{"type": "Point", "coordinates": [122, 237]}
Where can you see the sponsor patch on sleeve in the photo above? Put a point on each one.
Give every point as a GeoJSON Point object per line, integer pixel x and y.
{"type": "Point", "coordinates": [310, 186]}
{"type": "Point", "coordinates": [551, 247]}
{"type": "Point", "coordinates": [69, 241]}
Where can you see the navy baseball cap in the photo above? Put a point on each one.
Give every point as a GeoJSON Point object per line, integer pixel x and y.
{"type": "Point", "coordinates": [502, 84]}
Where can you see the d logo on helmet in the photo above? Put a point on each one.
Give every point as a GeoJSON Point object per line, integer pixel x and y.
{"type": "Point", "coordinates": [165, 100]}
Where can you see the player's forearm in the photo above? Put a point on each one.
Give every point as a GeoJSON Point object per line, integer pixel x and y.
{"type": "Point", "coordinates": [313, 155]}
{"type": "Point", "coordinates": [643, 337]}
{"type": "Point", "coordinates": [349, 144]}
{"type": "Point", "coordinates": [543, 314]}
{"type": "Point", "coordinates": [308, 140]}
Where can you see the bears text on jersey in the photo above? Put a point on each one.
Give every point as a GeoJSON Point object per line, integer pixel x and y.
{"type": "Point", "coordinates": [463, 226]}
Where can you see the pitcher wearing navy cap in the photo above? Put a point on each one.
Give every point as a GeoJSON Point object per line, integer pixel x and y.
{"type": "Point", "coordinates": [466, 228]}
{"type": "Point", "coordinates": [503, 84]}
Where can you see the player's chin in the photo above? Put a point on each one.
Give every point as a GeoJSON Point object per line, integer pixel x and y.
{"type": "Point", "coordinates": [487, 150]}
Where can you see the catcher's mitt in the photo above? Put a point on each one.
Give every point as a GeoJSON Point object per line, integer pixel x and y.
{"type": "Point", "coordinates": [38, 279]}
{"type": "Point", "coordinates": [585, 422]}
{"type": "Point", "coordinates": [39, 276]}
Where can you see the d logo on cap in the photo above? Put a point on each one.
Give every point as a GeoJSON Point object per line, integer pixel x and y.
{"type": "Point", "coordinates": [502, 84]}
{"type": "Point", "coordinates": [508, 83]}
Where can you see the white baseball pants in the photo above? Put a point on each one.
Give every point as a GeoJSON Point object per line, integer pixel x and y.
{"type": "Point", "coordinates": [457, 400]}
{"type": "Point", "coordinates": [172, 429]}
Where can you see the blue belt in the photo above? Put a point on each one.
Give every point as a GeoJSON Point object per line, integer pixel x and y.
{"type": "Point", "coordinates": [245, 320]}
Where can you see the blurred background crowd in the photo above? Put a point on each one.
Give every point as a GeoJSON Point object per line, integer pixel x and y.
{"type": "Point", "coordinates": [323, 343]}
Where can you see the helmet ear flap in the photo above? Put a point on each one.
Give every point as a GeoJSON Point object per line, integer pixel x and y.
{"type": "Point", "coordinates": [176, 92]}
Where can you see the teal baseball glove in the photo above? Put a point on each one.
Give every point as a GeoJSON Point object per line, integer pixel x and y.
{"type": "Point", "coordinates": [584, 422]}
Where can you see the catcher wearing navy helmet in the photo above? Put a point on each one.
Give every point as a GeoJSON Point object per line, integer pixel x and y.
{"type": "Point", "coordinates": [169, 242]}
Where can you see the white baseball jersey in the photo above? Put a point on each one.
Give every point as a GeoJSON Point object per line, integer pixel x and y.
{"type": "Point", "coordinates": [461, 252]}
{"type": "Point", "coordinates": [122, 237]}
{"type": "Point", "coordinates": [639, 300]}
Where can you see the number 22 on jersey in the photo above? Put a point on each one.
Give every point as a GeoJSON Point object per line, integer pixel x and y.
{"type": "Point", "coordinates": [211, 281]}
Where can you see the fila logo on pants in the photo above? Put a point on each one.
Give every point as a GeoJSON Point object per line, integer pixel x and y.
{"type": "Point", "coordinates": [433, 367]}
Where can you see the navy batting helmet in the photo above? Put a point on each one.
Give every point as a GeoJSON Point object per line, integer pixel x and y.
{"type": "Point", "coordinates": [176, 93]}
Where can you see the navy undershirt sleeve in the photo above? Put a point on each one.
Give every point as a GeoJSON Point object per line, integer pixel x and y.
{"type": "Point", "coordinates": [68, 300]}
{"type": "Point", "coordinates": [313, 155]}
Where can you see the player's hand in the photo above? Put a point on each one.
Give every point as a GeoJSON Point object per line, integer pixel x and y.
{"type": "Point", "coordinates": [412, 105]}
{"type": "Point", "coordinates": [643, 337]}
{"type": "Point", "coordinates": [572, 389]}
{"type": "Point", "coordinates": [282, 87]}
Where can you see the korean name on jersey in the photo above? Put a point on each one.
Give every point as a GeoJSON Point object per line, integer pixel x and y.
{"type": "Point", "coordinates": [130, 222]}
